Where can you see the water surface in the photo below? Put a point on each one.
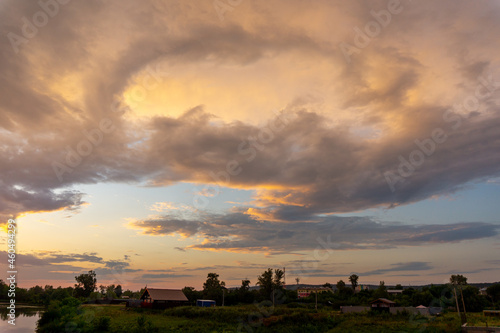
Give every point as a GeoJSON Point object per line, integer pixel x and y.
{"type": "Point", "coordinates": [26, 318]}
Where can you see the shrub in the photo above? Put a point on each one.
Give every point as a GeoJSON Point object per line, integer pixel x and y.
{"type": "Point", "coordinates": [145, 325]}
{"type": "Point", "coordinates": [102, 324]}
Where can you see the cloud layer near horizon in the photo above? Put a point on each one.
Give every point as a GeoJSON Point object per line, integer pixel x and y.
{"type": "Point", "coordinates": [238, 232]}
{"type": "Point", "coordinates": [105, 79]}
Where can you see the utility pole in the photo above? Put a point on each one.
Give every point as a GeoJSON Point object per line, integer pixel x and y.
{"type": "Point", "coordinates": [316, 300]}
{"type": "Point", "coordinates": [456, 300]}
{"type": "Point", "coordinates": [463, 303]}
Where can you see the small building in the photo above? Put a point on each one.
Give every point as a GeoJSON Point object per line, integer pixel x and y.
{"type": "Point", "coordinates": [133, 303]}
{"type": "Point", "coordinates": [154, 298]}
{"type": "Point", "coordinates": [491, 313]}
{"type": "Point", "coordinates": [306, 291]}
{"type": "Point", "coordinates": [382, 304]}
{"type": "Point", "coordinates": [361, 287]}
{"type": "Point", "coordinates": [205, 303]}
{"type": "Point", "coordinates": [394, 291]}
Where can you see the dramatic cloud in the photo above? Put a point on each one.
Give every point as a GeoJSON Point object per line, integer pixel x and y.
{"type": "Point", "coordinates": [242, 233]}
{"type": "Point", "coordinates": [158, 93]}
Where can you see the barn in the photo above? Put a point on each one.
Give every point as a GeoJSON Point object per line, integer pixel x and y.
{"type": "Point", "coordinates": [154, 298]}
{"type": "Point", "coordinates": [382, 304]}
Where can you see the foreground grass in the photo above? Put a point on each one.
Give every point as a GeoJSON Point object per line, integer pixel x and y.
{"type": "Point", "coordinates": [251, 318]}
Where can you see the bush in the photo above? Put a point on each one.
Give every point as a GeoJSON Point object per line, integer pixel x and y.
{"type": "Point", "coordinates": [145, 325]}
{"type": "Point", "coordinates": [102, 324]}
{"type": "Point", "coordinates": [296, 305]}
{"type": "Point", "coordinates": [60, 316]}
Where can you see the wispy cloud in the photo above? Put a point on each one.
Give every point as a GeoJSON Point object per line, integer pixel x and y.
{"type": "Point", "coordinates": [402, 267]}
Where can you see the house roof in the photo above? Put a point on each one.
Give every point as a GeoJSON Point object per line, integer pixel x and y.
{"type": "Point", "coordinates": [165, 294]}
{"type": "Point", "coordinates": [384, 300]}
{"type": "Point", "coordinates": [314, 288]}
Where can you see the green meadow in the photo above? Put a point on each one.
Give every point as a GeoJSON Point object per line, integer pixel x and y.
{"type": "Point", "coordinates": [255, 318]}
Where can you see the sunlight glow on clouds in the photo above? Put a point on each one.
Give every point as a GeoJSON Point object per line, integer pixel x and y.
{"type": "Point", "coordinates": [260, 109]}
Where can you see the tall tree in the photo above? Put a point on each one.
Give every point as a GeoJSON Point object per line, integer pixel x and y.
{"type": "Point", "coordinates": [278, 277]}
{"type": "Point", "coordinates": [340, 286]}
{"type": "Point", "coordinates": [459, 281]}
{"type": "Point", "coordinates": [269, 282]}
{"type": "Point", "coordinates": [118, 291]}
{"type": "Point", "coordinates": [381, 291]}
{"type": "Point", "coordinates": [86, 284]}
{"type": "Point", "coordinates": [212, 288]}
{"type": "Point", "coordinates": [354, 281]}
{"type": "Point", "coordinates": [265, 281]}
{"type": "Point", "coordinates": [244, 293]}
{"type": "Point", "coordinates": [245, 285]}
{"type": "Point", "coordinates": [110, 292]}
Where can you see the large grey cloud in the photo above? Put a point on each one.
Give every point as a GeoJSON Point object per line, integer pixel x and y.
{"type": "Point", "coordinates": [314, 165]}
{"type": "Point", "coordinates": [239, 232]}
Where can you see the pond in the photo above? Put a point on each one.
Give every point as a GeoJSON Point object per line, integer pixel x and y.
{"type": "Point", "coordinates": [26, 318]}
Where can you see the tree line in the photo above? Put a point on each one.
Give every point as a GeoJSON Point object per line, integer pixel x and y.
{"type": "Point", "coordinates": [457, 294]}
{"type": "Point", "coordinates": [85, 288]}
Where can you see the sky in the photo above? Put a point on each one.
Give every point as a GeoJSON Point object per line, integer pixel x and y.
{"type": "Point", "coordinates": [158, 141]}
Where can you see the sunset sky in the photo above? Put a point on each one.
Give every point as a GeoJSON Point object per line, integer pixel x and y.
{"type": "Point", "coordinates": [157, 141]}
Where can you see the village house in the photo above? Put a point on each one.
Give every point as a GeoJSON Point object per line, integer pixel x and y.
{"type": "Point", "coordinates": [304, 292]}
{"type": "Point", "coordinates": [154, 298]}
{"type": "Point", "coordinates": [382, 304]}
{"type": "Point", "coordinates": [394, 291]}
{"type": "Point", "coordinates": [361, 287]}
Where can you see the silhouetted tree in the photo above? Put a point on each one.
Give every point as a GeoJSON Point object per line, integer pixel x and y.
{"type": "Point", "coordinates": [354, 281]}
{"type": "Point", "coordinates": [192, 294]}
{"type": "Point", "coordinates": [244, 293]}
{"type": "Point", "coordinates": [459, 280]}
{"type": "Point", "coordinates": [86, 284]}
{"type": "Point", "coordinates": [212, 288]}
{"type": "Point", "coordinates": [245, 285]}
{"type": "Point", "coordinates": [493, 292]}
{"type": "Point", "coordinates": [381, 291]}
{"type": "Point", "coordinates": [118, 291]}
{"type": "Point", "coordinates": [268, 283]}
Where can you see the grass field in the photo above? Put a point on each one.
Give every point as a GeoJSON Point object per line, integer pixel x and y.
{"type": "Point", "coordinates": [251, 318]}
